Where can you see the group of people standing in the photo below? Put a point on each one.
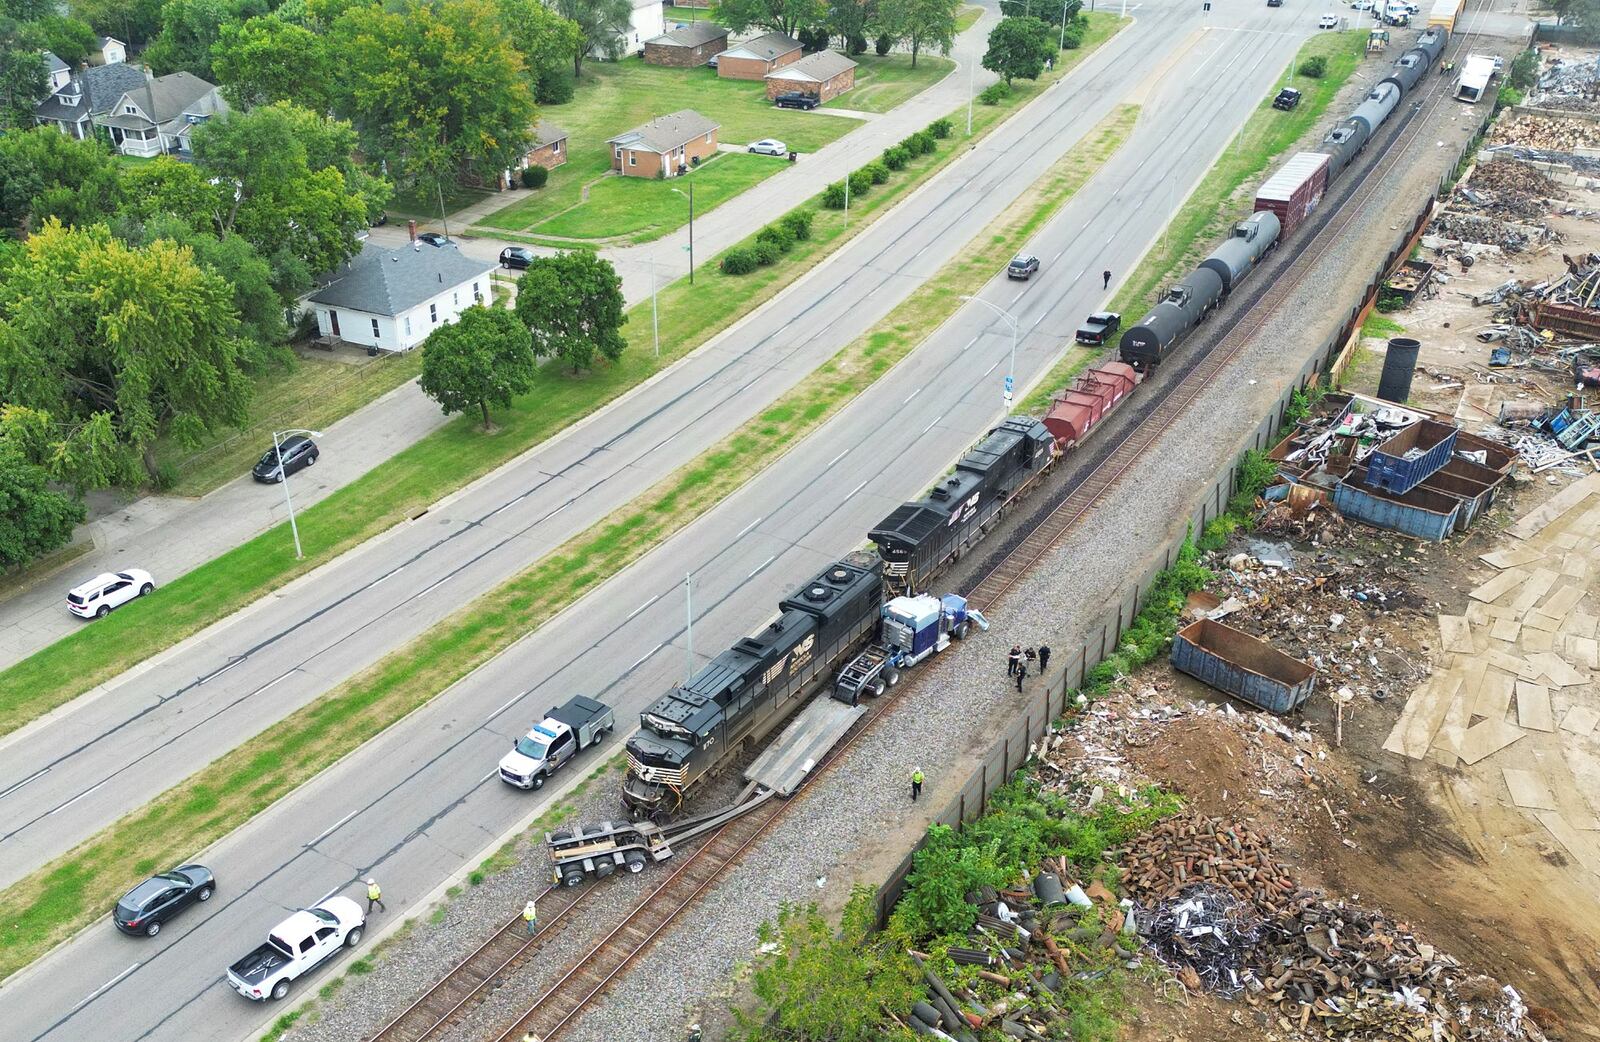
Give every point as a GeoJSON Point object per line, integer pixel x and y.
{"type": "Point", "coordinates": [1021, 661]}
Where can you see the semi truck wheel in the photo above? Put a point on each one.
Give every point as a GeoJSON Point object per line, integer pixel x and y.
{"type": "Point", "coordinates": [572, 876]}
{"type": "Point", "coordinates": [891, 677]}
{"type": "Point", "coordinates": [634, 861]}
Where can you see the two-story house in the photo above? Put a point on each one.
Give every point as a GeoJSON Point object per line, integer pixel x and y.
{"type": "Point", "coordinates": [157, 116]}
{"type": "Point", "coordinates": [91, 92]}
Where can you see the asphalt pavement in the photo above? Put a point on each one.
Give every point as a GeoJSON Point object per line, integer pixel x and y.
{"type": "Point", "coordinates": [416, 802]}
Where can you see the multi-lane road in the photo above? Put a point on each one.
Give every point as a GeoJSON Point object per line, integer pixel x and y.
{"type": "Point", "coordinates": [417, 801]}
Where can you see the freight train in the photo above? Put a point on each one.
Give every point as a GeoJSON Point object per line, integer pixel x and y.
{"type": "Point", "coordinates": [742, 695]}
{"type": "Point", "coordinates": [1149, 341]}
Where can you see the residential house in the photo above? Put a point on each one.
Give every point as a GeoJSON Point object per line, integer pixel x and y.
{"type": "Point", "coordinates": [824, 75]}
{"type": "Point", "coordinates": [549, 150]}
{"type": "Point", "coordinates": [646, 22]}
{"type": "Point", "coordinates": [684, 48]}
{"type": "Point", "coordinates": [666, 146]}
{"type": "Point", "coordinates": [108, 51]}
{"type": "Point", "coordinates": [753, 59]}
{"type": "Point", "coordinates": [158, 116]}
{"type": "Point", "coordinates": [58, 71]}
{"type": "Point", "coordinates": [90, 93]}
{"type": "Point", "coordinates": [391, 300]}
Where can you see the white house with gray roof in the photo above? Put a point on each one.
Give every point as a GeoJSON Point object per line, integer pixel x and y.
{"type": "Point", "coordinates": [392, 299]}
{"type": "Point", "coordinates": [157, 116]}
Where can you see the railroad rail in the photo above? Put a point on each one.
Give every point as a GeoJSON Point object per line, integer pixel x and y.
{"type": "Point", "coordinates": [587, 976]}
{"type": "Point", "coordinates": [1266, 298]}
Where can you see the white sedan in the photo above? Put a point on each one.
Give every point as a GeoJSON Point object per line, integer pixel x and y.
{"type": "Point", "coordinates": [769, 147]}
{"type": "Point", "coordinates": [95, 598]}
{"type": "Point", "coordinates": [1361, 5]}
{"type": "Point", "coordinates": [1328, 21]}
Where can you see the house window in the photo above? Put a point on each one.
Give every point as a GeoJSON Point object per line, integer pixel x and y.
{"type": "Point", "coordinates": [433, 313]}
{"type": "Point", "coordinates": [555, 148]}
{"type": "Point", "coordinates": [130, 110]}
{"type": "Point", "coordinates": [619, 153]}
{"type": "Point", "coordinates": [633, 160]}
{"type": "Point", "coordinates": [374, 329]}
{"type": "Point", "coordinates": [708, 139]}
{"type": "Point", "coordinates": [477, 294]}
{"type": "Point", "coordinates": [408, 325]}
{"type": "Point", "coordinates": [455, 298]}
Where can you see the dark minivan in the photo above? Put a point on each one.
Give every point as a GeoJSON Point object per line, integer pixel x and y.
{"type": "Point", "coordinates": [298, 452]}
{"type": "Point", "coordinates": [143, 909]}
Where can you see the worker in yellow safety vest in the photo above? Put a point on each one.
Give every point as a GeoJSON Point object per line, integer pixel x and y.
{"type": "Point", "coordinates": [374, 896]}
{"type": "Point", "coordinates": [530, 915]}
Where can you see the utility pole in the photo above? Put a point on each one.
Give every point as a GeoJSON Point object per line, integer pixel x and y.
{"type": "Point", "coordinates": [970, 67]}
{"type": "Point", "coordinates": [688, 607]}
{"type": "Point", "coordinates": [655, 323]}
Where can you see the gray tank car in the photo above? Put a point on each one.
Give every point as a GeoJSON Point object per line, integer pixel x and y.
{"type": "Point", "coordinates": [1408, 70]}
{"type": "Point", "coordinates": [1250, 241]}
{"type": "Point", "coordinates": [1347, 138]}
{"type": "Point", "coordinates": [1380, 101]}
{"type": "Point", "coordinates": [1146, 344]}
{"type": "Point", "coordinates": [1432, 42]}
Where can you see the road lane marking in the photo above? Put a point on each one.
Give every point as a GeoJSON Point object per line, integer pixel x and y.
{"type": "Point", "coordinates": [640, 660]}
{"type": "Point", "coordinates": [107, 986]}
{"type": "Point", "coordinates": [762, 565]}
{"type": "Point", "coordinates": [331, 829]}
{"type": "Point", "coordinates": [929, 427]}
{"type": "Point", "coordinates": [209, 677]}
{"type": "Point", "coordinates": [642, 607]}
{"type": "Point", "coordinates": [75, 799]}
{"type": "Point", "coordinates": [836, 459]}
{"type": "Point", "coordinates": [36, 774]}
{"type": "Point", "coordinates": [430, 589]}
{"type": "Point", "coordinates": [270, 683]}
{"type": "Point", "coordinates": [969, 343]}
{"type": "Point", "coordinates": [758, 520]}
{"type": "Point", "coordinates": [992, 368]}
{"type": "Point", "coordinates": [858, 488]}
{"type": "Point", "coordinates": [513, 700]}
{"type": "Point", "coordinates": [913, 395]}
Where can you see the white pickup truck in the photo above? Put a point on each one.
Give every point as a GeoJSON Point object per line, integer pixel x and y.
{"type": "Point", "coordinates": [297, 946]}
{"type": "Point", "coordinates": [555, 740]}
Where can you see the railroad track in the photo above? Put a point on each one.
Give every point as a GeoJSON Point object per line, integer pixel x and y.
{"type": "Point", "coordinates": [1165, 413]}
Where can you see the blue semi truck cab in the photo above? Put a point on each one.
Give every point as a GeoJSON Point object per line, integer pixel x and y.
{"type": "Point", "coordinates": [911, 629]}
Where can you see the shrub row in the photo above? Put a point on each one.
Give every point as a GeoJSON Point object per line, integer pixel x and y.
{"type": "Point", "coordinates": [772, 242]}
{"type": "Point", "coordinates": [895, 157]}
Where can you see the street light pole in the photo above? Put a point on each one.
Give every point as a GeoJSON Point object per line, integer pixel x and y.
{"type": "Point", "coordinates": [283, 476]}
{"type": "Point", "coordinates": [690, 197]}
{"type": "Point", "coordinates": [688, 607]}
{"type": "Point", "coordinates": [1060, 46]}
{"type": "Point", "coordinates": [970, 67]}
{"type": "Point", "coordinates": [1011, 377]}
{"type": "Point", "coordinates": [655, 323]}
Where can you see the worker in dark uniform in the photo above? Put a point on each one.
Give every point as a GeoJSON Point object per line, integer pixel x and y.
{"type": "Point", "coordinates": [1022, 674]}
{"type": "Point", "coordinates": [1105, 279]}
{"type": "Point", "coordinates": [1014, 660]}
{"type": "Point", "coordinates": [1044, 658]}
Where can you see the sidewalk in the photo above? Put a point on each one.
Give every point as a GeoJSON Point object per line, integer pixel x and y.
{"type": "Point", "coordinates": [169, 536]}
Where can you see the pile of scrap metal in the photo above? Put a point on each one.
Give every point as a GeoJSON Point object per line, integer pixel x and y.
{"type": "Point", "coordinates": [1568, 84]}
{"type": "Point", "coordinates": [1398, 468]}
{"type": "Point", "coordinates": [1413, 280]}
{"type": "Point", "coordinates": [1578, 162]}
{"type": "Point", "coordinates": [1219, 908]}
{"type": "Point", "coordinates": [1568, 305]}
{"type": "Point", "coordinates": [1012, 976]}
{"type": "Point", "coordinates": [1452, 227]}
{"type": "Point", "coordinates": [1507, 188]}
{"type": "Point", "coordinates": [1553, 133]}
{"type": "Point", "coordinates": [1566, 435]}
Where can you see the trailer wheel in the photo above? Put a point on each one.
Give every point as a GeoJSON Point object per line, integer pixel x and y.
{"type": "Point", "coordinates": [878, 687]}
{"type": "Point", "coordinates": [635, 861]}
{"type": "Point", "coordinates": [572, 876]}
{"type": "Point", "coordinates": [891, 677]}
{"type": "Point", "coordinates": [604, 869]}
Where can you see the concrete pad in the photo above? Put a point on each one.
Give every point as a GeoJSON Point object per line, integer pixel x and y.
{"type": "Point", "coordinates": [1500, 611]}
{"type": "Point", "coordinates": [1579, 844]}
{"type": "Point", "coordinates": [1425, 710]}
{"type": "Point", "coordinates": [1536, 587]}
{"type": "Point", "coordinates": [1560, 604]}
{"type": "Point", "coordinates": [1529, 789]}
{"type": "Point", "coordinates": [1559, 672]}
{"type": "Point", "coordinates": [1499, 586]}
{"type": "Point", "coordinates": [1516, 555]}
{"type": "Point", "coordinates": [1580, 624]}
{"type": "Point", "coordinates": [1477, 613]}
{"type": "Point", "coordinates": [1486, 738]}
{"type": "Point", "coordinates": [1455, 634]}
{"type": "Point", "coordinates": [1575, 566]}
{"type": "Point", "coordinates": [1512, 664]}
{"type": "Point", "coordinates": [1581, 651]}
{"type": "Point", "coordinates": [1536, 620]}
{"type": "Point", "coordinates": [1536, 520]}
{"type": "Point", "coordinates": [1506, 630]}
{"type": "Point", "coordinates": [1494, 695]}
{"type": "Point", "coordinates": [1533, 707]}
{"type": "Point", "coordinates": [1580, 720]}
{"type": "Point", "coordinates": [1537, 640]}
{"type": "Point", "coordinates": [1446, 747]}
{"type": "Point", "coordinates": [1566, 541]}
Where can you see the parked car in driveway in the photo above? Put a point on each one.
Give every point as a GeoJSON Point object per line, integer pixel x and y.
{"type": "Point", "coordinates": [433, 238]}
{"type": "Point", "coordinates": [796, 100]}
{"type": "Point", "coordinates": [144, 909]}
{"type": "Point", "coordinates": [769, 147]}
{"type": "Point", "coordinates": [1099, 328]}
{"type": "Point", "coordinates": [516, 257]}
{"type": "Point", "coordinates": [95, 598]}
{"type": "Point", "coordinates": [297, 451]}
{"type": "Point", "coordinates": [1022, 267]}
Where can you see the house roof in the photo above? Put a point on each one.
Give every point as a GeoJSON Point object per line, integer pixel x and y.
{"type": "Point", "coordinates": [765, 47]}
{"type": "Point", "coordinates": [165, 98]}
{"type": "Point", "coordinates": [692, 35]}
{"type": "Point", "coordinates": [546, 132]}
{"type": "Point", "coordinates": [667, 132]}
{"type": "Point", "coordinates": [104, 84]}
{"type": "Point", "coordinates": [821, 67]}
{"type": "Point", "coordinates": [54, 64]}
{"type": "Point", "coordinates": [390, 282]}
{"type": "Point", "coordinates": [101, 42]}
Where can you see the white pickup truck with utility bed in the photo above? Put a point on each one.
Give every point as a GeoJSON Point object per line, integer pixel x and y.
{"type": "Point", "coordinates": [554, 740]}
{"type": "Point", "coordinates": [297, 946]}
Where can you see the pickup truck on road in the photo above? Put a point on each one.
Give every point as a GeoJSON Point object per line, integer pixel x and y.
{"type": "Point", "coordinates": [554, 740]}
{"type": "Point", "coordinates": [297, 946]}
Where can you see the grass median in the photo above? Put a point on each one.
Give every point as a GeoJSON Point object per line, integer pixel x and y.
{"type": "Point", "coordinates": [44, 908]}
{"type": "Point", "coordinates": [457, 454]}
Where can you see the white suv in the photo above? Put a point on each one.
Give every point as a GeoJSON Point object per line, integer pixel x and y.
{"type": "Point", "coordinates": [95, 598]}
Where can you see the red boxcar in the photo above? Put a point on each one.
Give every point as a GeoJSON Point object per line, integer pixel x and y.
{"type": "Point", "coordinates": [1096, 393]}
{"type": "Point", "coordinates": [1296, 189]}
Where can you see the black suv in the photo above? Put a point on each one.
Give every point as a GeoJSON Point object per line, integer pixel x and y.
{"type": "Point", "coordinates": [298, 452]}
{"type": "Point", "coordinates": [516, 257]}
{"type": "Point", "coordinates": [143, 909]}
{"type": "Point", "coordinates": [1287, 99]}
{"type": "Point", "coordinates": [796, 100]}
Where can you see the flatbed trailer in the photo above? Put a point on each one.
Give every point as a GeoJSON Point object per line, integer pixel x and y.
{"type": "Point", "coordinates": [597, 851]}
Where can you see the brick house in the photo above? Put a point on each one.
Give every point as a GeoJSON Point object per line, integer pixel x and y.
{"type": "Point", "coordinates": [549, 146]}
{"type": "Point", "coordinates": [665, 146]}
{"type": "Point", "coordinates": [753, 59]}
{"type": "Point", "coordinates": [684, 48]}
{"type": "Point", "coordinates": [824, 75]}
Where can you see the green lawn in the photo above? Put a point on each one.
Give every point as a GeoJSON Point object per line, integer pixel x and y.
{"type": "Point", "coordinates": [687, 14]}
{"type": "Point", "coordinates": [967, 17]}
{"type": "Point", "coordinates": [613, 97]}
{"type": "Point", "coordinates": [424, 206]}
{"type": "Point", "coordinates": [882, 83]}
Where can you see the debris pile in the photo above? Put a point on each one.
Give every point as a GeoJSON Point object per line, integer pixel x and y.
{"type": "Point", "coordinates": [1488, 231]}
{"type": "Point", "coordinates": [1218, 907]}
{"type": "Point", "coordinates": [1507, 189]}
{"type": "Point", "coordinates": [1568, 84]}
{"type": "Point", "coordinates": [1507, 175]}
{"type": "Point", "coordinates": [1583, 164]}
{"type": "Point", "coordinates": [1550, 133]}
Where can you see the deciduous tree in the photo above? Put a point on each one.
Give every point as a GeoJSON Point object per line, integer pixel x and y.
{"type": "Point", "coordinates": [1018, 48]}
{"type": "Point", "coordinates": [269, 59]}
{"type": "Point", "coordinates": [437, 88]}
{"type": "Point", "coordinates": [780, 16]}
{"type": "Point", "coordinates": [546, 39]}
{"type": "Point", "coordinates": [69, 39]}
{"type": "Point", "coordinates": [853, 20]}
{"type": "Point", "coordinates": [131, 21]}
{"type": "Point", "coordinates": [24, 79]}
{"type": "Point", "coordinates": [44, 173]}
{"type": "Point", "coordinates": [140, 340]}
{"type": "Point", "coordinates": [921, 24]}
{"type": "Point", "coordinates": [34, 519]}
{"type": "Point", "coordinates": [601, 27]}
{"type": "Point", "coordinates": [484, 358]}
{"type": "Point", "coordinates": [572, 304]}
{"type": "Point", "coordinates": [1047, 11]}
